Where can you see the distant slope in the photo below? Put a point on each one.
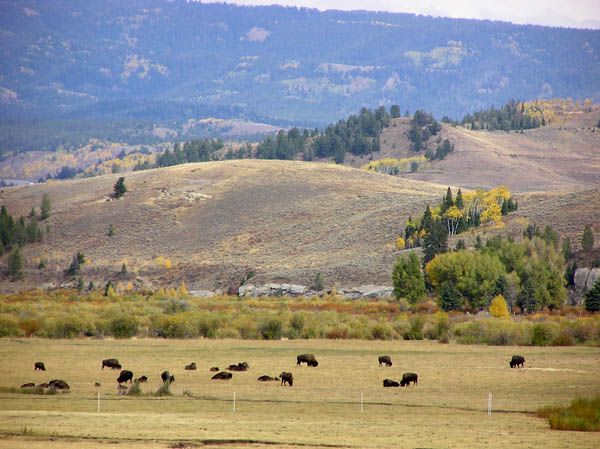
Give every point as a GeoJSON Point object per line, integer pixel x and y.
{"type": "Point", "coordinates": [283, 220]}
{"type": "Point", "coordinates": [95, 64]}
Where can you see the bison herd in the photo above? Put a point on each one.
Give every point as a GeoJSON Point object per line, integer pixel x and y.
{"type": "Point", "coordinates": [286, 378]}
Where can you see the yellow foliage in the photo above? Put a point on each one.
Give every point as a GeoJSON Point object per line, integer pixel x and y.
{"type": "Point", "coordinates": [492, 214]}
{"type": "Point", "coordinates": [111, 293]}
{"type": "Point", "coordinates": [400, 243]}
{"type": "Point", "coordinates": [453, 213]}
{"type": "Point", "coordinates": [385, 165]}
{"type": "Point", "coordinates": [163, 262]}
{"type": "Point", "coordinates": [183, 291]}
{"type": "Point", "coordinates": [171, 292]}
{"type": "Point", "coordinates": [499, 308]}
{"type": "Point", "coordinates": [129, 286]}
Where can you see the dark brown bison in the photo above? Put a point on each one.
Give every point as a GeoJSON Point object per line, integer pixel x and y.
{"type": "Point", "coordinates": [385, 360]}
{"type": "Point", "coordinates": [242, 366]}
{"type": "Point", "coordinates": [287, 378]}
{"type": "Point", "coordinates": [142, 379]}
{"type": "Point", "coordinates": [43, 385]}
{"type": "Point", "coordinates": [28, 385]}
{"type": "Point", "coordinates": [165, 375]}
{"type": "Point", "coordinates": [125, 376]}
{"type": "Point", "coordinates": [58, 384]}
{"type": "Point", "coordinates": [408, 378]}
{"type": "Point", "coordinates": [214, 369]}
{"type": "Point", "coordinates": [390, 383]}
{"type": "Point", "coordinates": [309, 359]}
{"type": "Point", "coordinates": [111, 363]}
{"type": "Point", "coordinates": [223, 375]}
{"type": "Point", "coordinates": [266, 378]}
{"type": "Point", "coordinates": [97, 384]}
{"type": "Point", "coordinates": [517, 361]}
{"type": "Point", "coordinates": [191, 366]}
{"type": "Point", "coordinates": [39, 366]}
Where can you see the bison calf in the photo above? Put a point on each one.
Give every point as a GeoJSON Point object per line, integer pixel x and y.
{"type": "Point", "coordinates": [287, 378]}
{"type": "Point", "coordinates": [517, 361]}
{"type": "Point", "coordinates": [39, 366]}
{"type": "Point", "coordinates": [385, 360]}
{"type": "Point", "coordinates": [242, 366]}
{"type": "Point", "coordinates": [390, 383]}
{"type": "Point", "coordinates": [214, 369]}
{"type": "Point", "coordinates": [191, 366]}
{"type": "Point", "coordinates": [142, 379]}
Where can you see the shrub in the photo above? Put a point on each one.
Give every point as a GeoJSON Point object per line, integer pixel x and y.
{"type": "Point", "coordinates": [246, 327]}
{"type": "Point", "coordinates": [173, 326]}
{"type": "Point", "coordinates": [66, 326]}
{"type": "Point", "coordinates": [543, 334]}
{"type": "Point", "coordinates": [415, 331]}
{"type": "Point", "coordinates": [9, 327]}
{"type": "Point", "coordinates": [339, 331]}
{"type": "Point", "coordinates": [123, 326]}
{"type": "Point", "coordinates": [205, 324]}
{"type": "Point", "coordinates": [382, 331]}
{"type": "Point", "coordinates": [164, 389]}
{"type": "Point", "coordinates": [135, 389]}
{"type": "Point", "coordinates": [582, 414]}
{"type": "Point", "coordinates": [271, 329]}
{"type": "Point", "coordinates": [498, 307]}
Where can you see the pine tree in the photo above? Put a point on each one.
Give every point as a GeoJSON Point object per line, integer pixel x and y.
{"type": "Point", "coordinates": [448, 201]}
{"type": "Point", "coordinates": [592, 298]}
{"type": "Point", "coordinates": [15, 263]}
{"type": "Point", "coordinates": [435, 242]}
{"type": "Point", "coordinates": [460, 203]}
{"type": "Point", "coordinates": [427, 221]}
{"type": "Point", "coordinates": [318, 282]}
{"type": "Point", "coordinates": [587, 240]}
{"type": "Point", "coordinates": [46, 207]}
{"type": "Point", "coordinates": [80, 284]}
{"type": "Point", "coordinates": [566, 248]}
{"type": "Point", "coordinates": [111, 230]}
{"type": "Point", "coordinates": [408, 278]}
{"type": "Point", "coordinates": [450, 298]}
{"type": "Point", "coordinates": [124, 269]}
{"type": "Point", "coordinates": [460, 245]}
{"type": "Point", "coordinates": [91, 286]}
{"type": "Point", "coordinates": [504, 210]}
{"type": "Point", "coordinates": [119, 188]}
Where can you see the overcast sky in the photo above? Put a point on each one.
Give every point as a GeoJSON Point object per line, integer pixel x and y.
{"type": "Point", "coordinates": [566, 13]}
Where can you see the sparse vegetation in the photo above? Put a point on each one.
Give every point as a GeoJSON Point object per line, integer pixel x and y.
{"type": "Point", "coordinates": [583, 414]}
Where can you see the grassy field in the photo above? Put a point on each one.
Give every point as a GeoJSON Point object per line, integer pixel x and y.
{"type": "Point", "coordinates": [446, 410]}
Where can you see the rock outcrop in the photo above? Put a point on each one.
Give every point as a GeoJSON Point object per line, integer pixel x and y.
{"type": "Point", "coordinates": [585, 278]}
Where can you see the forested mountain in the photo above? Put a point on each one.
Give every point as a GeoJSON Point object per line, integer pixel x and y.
{"type": "Point", "coordinates": [105, 68]}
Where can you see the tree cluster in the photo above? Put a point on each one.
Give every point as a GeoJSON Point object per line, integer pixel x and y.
{"type": "Point", "coordinates": [422, 127]}
{"type": "Point", "coordinates": [513, 116]}
{"type": "Point", "coordinates": [201, 150]}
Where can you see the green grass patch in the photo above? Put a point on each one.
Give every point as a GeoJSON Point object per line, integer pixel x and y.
{"type": "Point", "coordinates": [582, 415]}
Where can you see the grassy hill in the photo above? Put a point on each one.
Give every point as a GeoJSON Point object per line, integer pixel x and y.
{"type": "Point", "coordinates": [215, 221]}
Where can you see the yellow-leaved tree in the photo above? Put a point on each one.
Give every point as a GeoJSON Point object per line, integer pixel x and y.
{"type": "Point", "coordinates": [400, 243]}
{"type": "Point", "coordinates": [499, 308]}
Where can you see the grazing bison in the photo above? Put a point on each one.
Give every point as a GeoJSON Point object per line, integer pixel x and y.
{"type": "Point", "coordinates": [111, 363]}
{"type": "Point", "coordinates": [165, 375]}
{"type": "Point", "coordinates": [191, 366]}
{"type": "Point", "coordinates": [223, 375]}
{"type": "Point", "coordinates": [125, 376]}
{"type": "Point", "coordinates": [58, 384]}
{"type": "Point", "coordinates": [390, 383]}
{"type": "Point", "coordinates": [408, 378]}
{"type": "Point", "coordinates": [266, 378]}
{"type": "Point", "coordinates": [39, 366]}
{"type": "Point", "coordinates": [242, 366]}
{"type": "Point", "coordinates": [309, 359]}
{"type": "Point", "coordinates": [142, 379]}
{"type": "Point", "coordinates": [287, 378]}
{"type": "Point", "coordinates": [214, 369]}
{"type": "Point", "coordinates": [517, 361]}
{"type": "Point", "coordinates": [28, 385]}
{"type": "Point", "coordinates": [385, 360]}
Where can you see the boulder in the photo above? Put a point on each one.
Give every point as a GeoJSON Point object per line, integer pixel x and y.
{"type": "Point", "coordinates": [592, 278]}
{"type": "Point", "coordinates": [202, 293]}
{"type": "Point", "coordinates": [581, 275]}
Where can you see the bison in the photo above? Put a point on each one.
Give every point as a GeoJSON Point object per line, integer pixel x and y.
{"type": "Point", "coordinates": [517, 361]}
{"type": "Point", "coordinates": [43, 385]}
{"type": "Point", "coordinates": [242, 366]}
{"type": "Point", "coordinates": [58, 384]}
{"type": "Point", "coordinates": [266, 378]}
{"type": "Point", "coordinates": [287, 378]}
{"type": "Point", "coordinates": [39, 366]}
{"type": "Point", "coordinates": [28, 385]}
{"type": "Point", "coordinates": [122, 389]}
{"type": "Point", "coordinates": [125, 376]}
{"type": "Point", "coordinates": [408, 378]}
{"type": "Point", "coordinates": [223, 375]}
{"type": "Point", "coordinates": [385, 360]}
{"type": "Point", "coordinates": [309, 359]}
{"type": "Point", "coordinates": [142, 379]}
{"type": "Point", "coordinates": [111, 363]}
{"type": "Point", "coordinates": [97, 384]}
{"type": "Point", "coordinates": [191, 366]}
{"type": "Point", "coordinates": [214, 369]}
{"type": "Point", "coordinates": [390, 383]}
{"type": "Point", "coordinates": [165, 375]}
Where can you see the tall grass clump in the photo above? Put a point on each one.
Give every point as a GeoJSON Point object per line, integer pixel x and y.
{"type": "Point", "coordinates": [164, 389]}
{"type": "Point", "coordinates": [271, 328]}
{"type": "Point", "coordinates": [583, 415]}
{"type": "Point", "coordinates": [123, 326]}
{"type": "Point", "coordinates": [9, 326]}
{"type": "Point", "coordinates": [135, 389]}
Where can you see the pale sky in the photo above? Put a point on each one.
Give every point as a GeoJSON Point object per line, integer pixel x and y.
{"type": "Point", "coordinates": [565, 13]}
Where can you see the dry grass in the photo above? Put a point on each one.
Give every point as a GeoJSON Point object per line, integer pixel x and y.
{"type": "Point", "coordinates": [284, 220]}
{"type": "Point", "coordinates": [447, 409]}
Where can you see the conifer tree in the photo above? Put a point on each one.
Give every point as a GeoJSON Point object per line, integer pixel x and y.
{"type": "Point", "coordinates": [460, 203]}
{"type": "Point", "coordinates": [15, 263]}
{"type": "Point", "coordinates": [592, 298]}
{"type": "Point", "coordinates": [408, 278]}
{"type": "Point", "coordinates": [119, 188]}
{"type": "Point", "coordinates": [450, 298]}
{"type": "Point", "coordinates": [566, 248]}
{"type": "Point", "coordinates": [435, 242]}
{"type": "Point", "coordinates": [587, 240]}
{"type": "Point", "coordinates": [427, 221]}
{"type": "Point", "coordinates": [46, 207]}
{"type": "Point", "coordinates": [448, 201]}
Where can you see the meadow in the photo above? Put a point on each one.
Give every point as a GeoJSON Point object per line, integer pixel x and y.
{"type": "Point", "coordinates": [448, 409]}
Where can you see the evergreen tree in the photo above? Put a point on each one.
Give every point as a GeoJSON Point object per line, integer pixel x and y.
{"type": "Point", "coordinates": [460, 203]}
{"type": "Point", "coordinates": [566, 248]}
{"type": "Point", "coordinates": [109, 285]}
{"type": "Point", "coordinates": [80, 284]}
{"type": "Point", "coordinates": [435, 242]}
{"type": "Point", "coordinates": [570, 273]}
{"type": "Point", "coordinates": [592, 298]}
{"type": "Point", "coordinates": [119, 188]}
{"type": "Point", "coordinates": [75, 266]}
{"type": "Point", "coordinates": [504, 210]}
{"type": "Point", "coordinates": [460, 245]}
{"type": "Point", "coordinates": [318, 283]}
{"type": "Point", "coordinates": [46, 207]}
{"type": "Point", "coordinates": [427, 221]}
{"type": "Point", "coordinates": [450, 298]}
{"type": "Point", "coordinates": [395, 111]}
{"type": "Point", "coordinates": [124, 269]}
{"type": "Point", "coordinates": [478, 243]}
{"type": "Point", "coordinates": [448, 201]}
{"type": "Point", "coordinates": [408, 278]}
{"type": "Point", "coordinates": [15, 263]}
{"type": "Point", "coordinates": [587, 240]}
{"type": "Point", "coordinates": [526, 299]}
{"type": "Point", "coordinates": [31, 213]}
{"type": "Point", "coordinates": [91, 286]}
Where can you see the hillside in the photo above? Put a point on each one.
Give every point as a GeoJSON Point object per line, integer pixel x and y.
{"type": "Point", "coordinates": [215, 221]}
{"type": "Point", "coordinates": [72, 71]}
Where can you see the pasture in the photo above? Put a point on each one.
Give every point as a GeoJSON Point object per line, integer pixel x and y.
{"type": "Point", "coordinates": [448, 409]}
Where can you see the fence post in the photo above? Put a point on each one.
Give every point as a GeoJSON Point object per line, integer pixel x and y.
{"type": "Point", "coordinates": [489, 404]}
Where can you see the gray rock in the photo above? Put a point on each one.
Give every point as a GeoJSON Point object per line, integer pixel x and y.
{"type": "Point", "coordinates": [581, 275]}
{"type": "Point", "coordinates": [202, 293]}
{"type": "Point", "coordinates": [592, 278]}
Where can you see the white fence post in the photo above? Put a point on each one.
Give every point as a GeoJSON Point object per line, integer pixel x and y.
{"type": "Point", "coordinates": [489, 403]}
